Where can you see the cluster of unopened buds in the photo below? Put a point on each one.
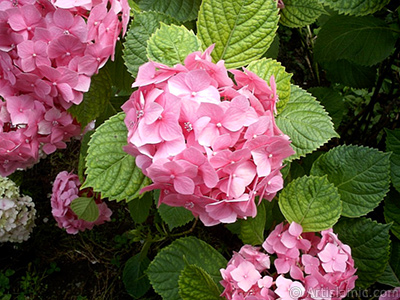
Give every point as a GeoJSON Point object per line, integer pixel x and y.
{"type": "Point", "coordinates": [209, 143]}
{"type": "Point", "coordinates": [305, 266]}
{"type": "Point", "coordinates": [48, 52]}
{"type": "Point", "coordinates": [17, 213]}
{"type": "Point", "coordinates": [66, 188]}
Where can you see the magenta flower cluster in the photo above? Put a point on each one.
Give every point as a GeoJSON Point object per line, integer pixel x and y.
{"type": "Point", "coordinates": [306, 266]}
{"type": "Point", "coordinates": [48, 52]}
{"type": "Point", "coordinates": [209, 143]}
{"type": "Point", "coordinates": [65, 190]}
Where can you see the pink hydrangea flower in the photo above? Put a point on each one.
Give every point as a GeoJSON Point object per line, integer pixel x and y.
{"type": "Point", "coordinates": [65, 190]}
{"type": "Point", "coordinates": [224, 130]}
{"type": "Point", "coordinates": [48, 52]}
{"type": "Point", "coordinates": [315, 268]}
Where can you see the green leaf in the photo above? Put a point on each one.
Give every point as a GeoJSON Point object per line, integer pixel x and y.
{"type": "Point", "coordinates": [265, 68]}
{"type": "Point", "coordinates": [134, 277]}
{"type": "Point", "coordinates": [391, 211]}
{"type": "Point", "coordinates": [85, 208]}
{"type": "Point", "coordinates": [197, 284]}
{"type": "Point", "coordinates": [242, 30]}
{"type": "Point", "coordinates": [370, 245]}
{"type": "Point", "coordinates": [313, 202]}
{"type": "Point", "coordinates": [393, 145]}
{"type": "Point", "coordinates": [391, 276]}
{"type": "Point", "coordinates": [170, 44]}
{"type": "Point", "coordinates": [144, 24]}
{"type": "Point", "coordinates": [361, 175]}
{"type": "Point", "coordinates": [139, 207]}
{"type": "Point", "coordinates": [332, 101]}
{"type": "Point", "coordinates": [356, 7]}
{"type": "Point", "coordinates": [182, 10]}
{"type": "Point", "coordinates": [175, 216]}
{"type": "Point", "coordinates": [350, 74]}
{"type": "Point", "coordinates": [252, 229]}
{"type": "Point", "coordinates": [363, 40]}
{"type": "Point", "coordinates": [299, 13]}
{"type": "Point", "coordinates": [306, 122]}
{"type": "Point", "coordinates": [94, 100]}
{"type": "Point", "coordinates": [110, 170]}
{"type": "Point", "coordinates": [165, 269]}
{"type": "Point", "coordinates": [82, 155]}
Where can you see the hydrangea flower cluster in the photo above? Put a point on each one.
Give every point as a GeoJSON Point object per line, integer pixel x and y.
{"type": "Point", "coordinates": [17, 213]}
{"type": "Point", "coordinates": [48, 52]}
{"type": "Point", "coordinates": [307, 265]}
{"type": "Point", "coordinates": [209, 143]}
{"type": "Point", "coordinates": [65, 190]}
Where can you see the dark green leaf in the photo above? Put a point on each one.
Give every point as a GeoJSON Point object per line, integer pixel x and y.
{"type": "Point", "coordinates": [175, 216]}
{"type": "Point", "coordinates": [391, 211]}
{"type": "Point", "coordinates": [332, 101]}
{"type": "Point", "coordinates": [139, 207]}
{"type": "Point", "coordinates": [361, 175]}
{"type": "Point", "coordinates": [350, 74]}
{"type": "Point", "coordinates": [94, 100]}
{"type": "Point", "coordinates": [363, 40]}
{"type": "Point", "coordinates": [134, 277]}
{"type": "Point", "coordinates": [370, 245]}
{"type": "Point", "coordinates": [356, 7]}
{"type": "Point", "coordinates": [252, 229]}
{"type": "Point", "coordinates": [393, 145]}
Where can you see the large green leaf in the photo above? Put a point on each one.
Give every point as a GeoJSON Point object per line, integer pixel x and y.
{"type": "Point", "coordinates": [370, 245]}
{"type": "Point", "coordinates": [306, 122]}
{"type": "Point", "coordinates": [95, 100]}
{"type": "Point", "coordinates": [165, 269]}
{"type": "Point", "coordinates": [313, 202]}
{"type": "Point", "coordinates": [134, 278]}
{"type": "Point", "coordinates": [299, 13]}
{"type": "Point", "coordinates": [363, 40]}
{"type": "Point", "coordinates": [350, 74]}
{"type": "Point", "coordinates": [265, 68]}
{"type": "Point", "coordinates": [361, 175]}
{"type": "Point", "coordinates": [181, 10]}
{"type": "Point", "coordinates": [391, 211]}
{"type": "Point", "coordinates": [332, 101]}
{"type": "Point", "coordinates": [391, 276]}
{"type": "Point", "coordinates": [139, 208]}
{"type": "Point", "coordinates": [110, 170]}
{"type": "Point", "coordinates": [197, 284]}
{"type": "Point", "coordinates": [252, 229]}
{"type": "Point", "coordinates": [170, 44]}
{"type": "Point", "coordinates": [242, 30]}
{"type": "Point", "coordinates": [144, 24]}
{"type": "Point", "coordinates": [393, 145]}
{"type": "Point", "coordinates": [85, 208]}
{"type": "Point", "coordinates": [356, 7]}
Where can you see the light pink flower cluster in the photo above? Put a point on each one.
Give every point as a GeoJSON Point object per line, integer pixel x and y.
{"type": "Point", "coordinates": [209, 143]}
{"type": "Point", "coordinates": [307, 266]}
{"type": "Point", "coordinates": [65, 190]}
{"type": "Point", "coordinates": [48, 52]}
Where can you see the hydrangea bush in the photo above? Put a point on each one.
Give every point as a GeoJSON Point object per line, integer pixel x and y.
{"type": "Point", "coordinates": [17, 213]}
{"type": "Point", "coordinates": [196, 119]}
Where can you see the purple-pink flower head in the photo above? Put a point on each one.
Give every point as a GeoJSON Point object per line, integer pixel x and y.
{"type": "Point", "coordinates": [196, 133]}
{"type": "Point", "coordinates": [48, 52]}
{"type": "Point", "coordinates": [305, 266]}
{"type": "Point", "coordinates": [65, 190]}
